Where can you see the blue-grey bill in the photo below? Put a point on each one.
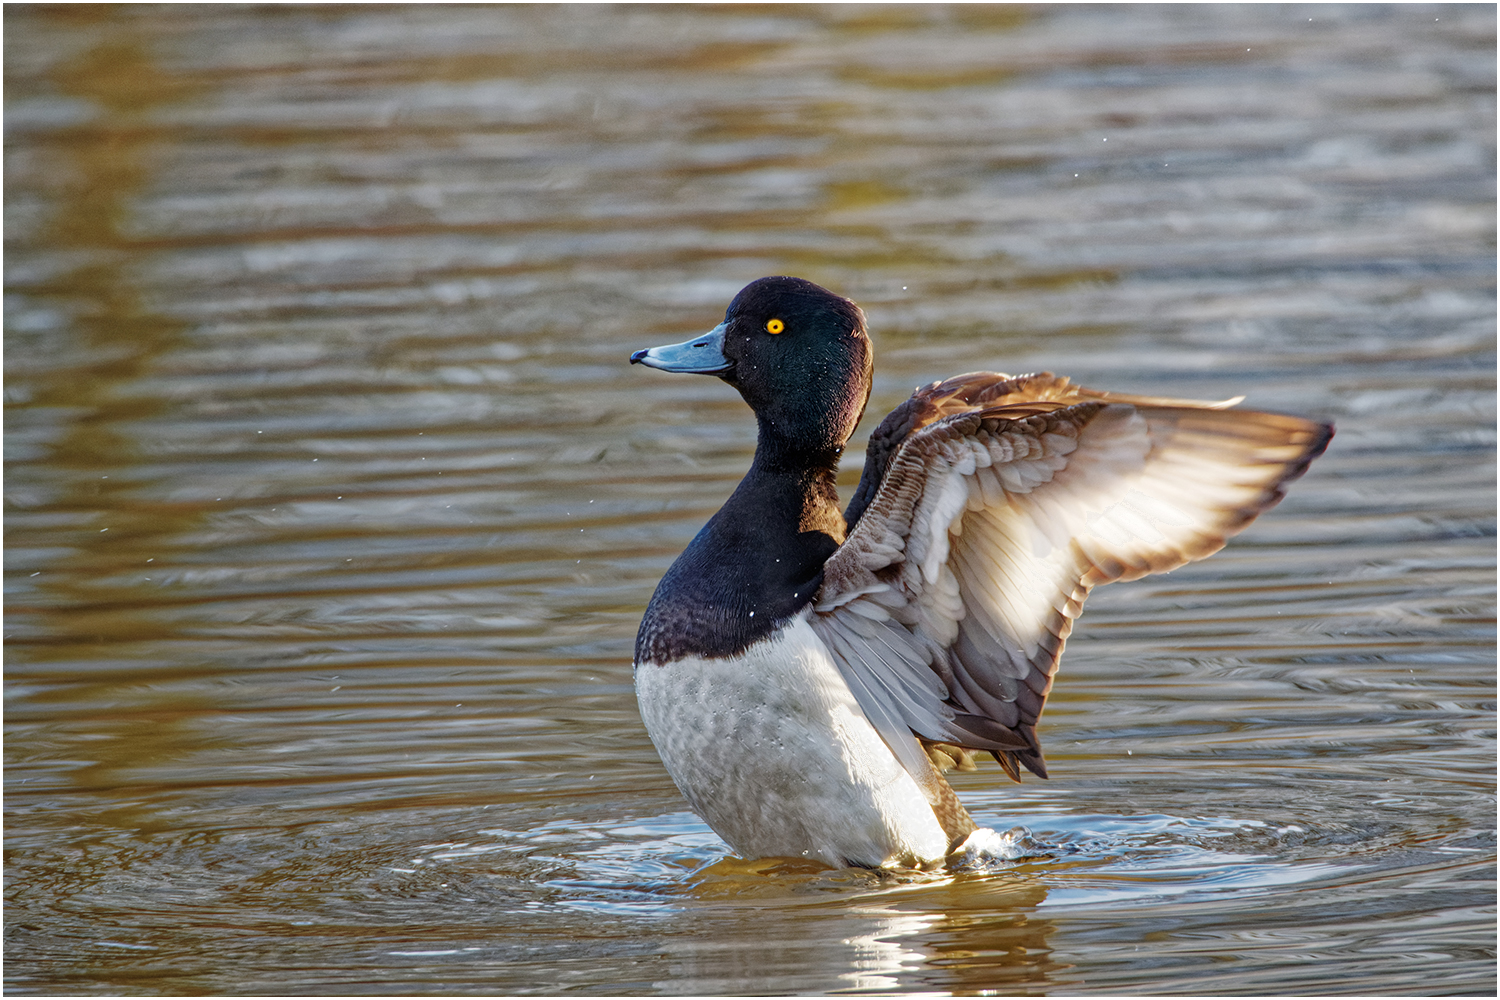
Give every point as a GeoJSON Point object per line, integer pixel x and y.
{"type": "Point", "coordinates": [703, 355]}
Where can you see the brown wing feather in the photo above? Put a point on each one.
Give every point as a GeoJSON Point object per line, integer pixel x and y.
{"type": "Point", "coordinates": [1025, 395]}
{"type": "Point", "coordinates": [1001, 502]}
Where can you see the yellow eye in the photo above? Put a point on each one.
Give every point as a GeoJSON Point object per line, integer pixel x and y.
{"type": "Point", "coordinates": [775, 326]}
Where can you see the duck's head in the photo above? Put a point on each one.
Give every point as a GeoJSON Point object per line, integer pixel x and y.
{"type": "Point", "coordinates": [797, 353]}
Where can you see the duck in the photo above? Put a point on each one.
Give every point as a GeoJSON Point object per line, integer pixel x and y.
{"type": "Point", "coordinates": [809, 674]}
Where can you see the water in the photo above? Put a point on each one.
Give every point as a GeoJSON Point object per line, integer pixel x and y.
{"type": "Point", "coordinates": [332, 503]}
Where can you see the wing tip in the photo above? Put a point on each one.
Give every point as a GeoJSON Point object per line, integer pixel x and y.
{"type": "Point", "coordinates": [1013, 760]}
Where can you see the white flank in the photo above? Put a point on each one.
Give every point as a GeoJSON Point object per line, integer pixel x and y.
{"type": "Point", "coordinates": [772, 750]}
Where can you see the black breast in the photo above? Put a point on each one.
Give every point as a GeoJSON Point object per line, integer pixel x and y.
{"type": "Point", "coordinates": [758, 562]}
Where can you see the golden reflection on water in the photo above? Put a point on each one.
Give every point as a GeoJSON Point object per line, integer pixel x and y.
{"type": "Point", "coordinates": [332, 504]}
{"type": "Point", "coordinates": [97, 168]}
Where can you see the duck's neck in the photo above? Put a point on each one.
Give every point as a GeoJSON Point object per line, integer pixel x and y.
{"type": "Point", "coordinates": [756, 563]}
{"type": "Point", "coordinates": [787, 496]}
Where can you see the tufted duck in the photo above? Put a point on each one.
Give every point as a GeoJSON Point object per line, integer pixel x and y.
{"type": "Point", "coordinates": [807, 675]}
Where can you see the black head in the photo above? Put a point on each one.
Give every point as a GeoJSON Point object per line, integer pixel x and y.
{"type": "Point", "coordinates": [797, 353]}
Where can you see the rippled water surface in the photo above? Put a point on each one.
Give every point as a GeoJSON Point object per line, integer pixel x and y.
{"type": "Point", "coordinates": [332, 504]}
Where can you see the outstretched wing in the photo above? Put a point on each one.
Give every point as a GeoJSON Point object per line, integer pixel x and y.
{"type": "Point", "coordinates": [997, 504]}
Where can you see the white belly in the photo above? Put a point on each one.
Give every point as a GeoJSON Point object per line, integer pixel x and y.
{"type": "Point", "coordinates": [772, 751]}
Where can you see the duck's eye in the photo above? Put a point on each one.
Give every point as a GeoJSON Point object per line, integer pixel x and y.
{"type": "Point", "coordinates": [775, 326]}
